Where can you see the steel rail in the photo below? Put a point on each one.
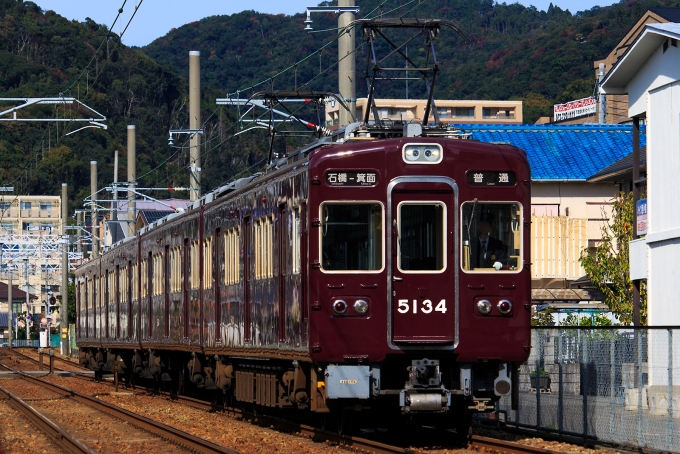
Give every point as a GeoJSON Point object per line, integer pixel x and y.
{"type": "Point", "coordinates": [156, 428]}
{"type": "Point", "coordinates": [55, 433]}
{"type": "Point", "coordinates": [506, 447]}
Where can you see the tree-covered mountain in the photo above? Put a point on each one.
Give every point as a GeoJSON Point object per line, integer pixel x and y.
{"type": "Point", "coordinates": [45, 55]}
{"type": "Point", "coordinates": [516, 52]}
{"type": "Point", "coordinates": [540, 57]}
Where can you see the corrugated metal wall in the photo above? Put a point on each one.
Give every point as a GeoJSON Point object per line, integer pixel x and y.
{"type": "Point", "coordinates": [556, 245]}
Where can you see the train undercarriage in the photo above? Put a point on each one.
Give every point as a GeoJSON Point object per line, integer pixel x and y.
{"type": "Point", "coordinates": [427, 391]}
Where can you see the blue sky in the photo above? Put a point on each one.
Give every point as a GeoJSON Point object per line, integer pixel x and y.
{"type": "Point", "coordinates": [155, 18]}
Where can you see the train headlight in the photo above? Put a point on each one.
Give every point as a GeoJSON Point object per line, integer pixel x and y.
{"type": "Point", "coordinates": [432, 154]}
{"type": "Point", "coordinates": [504, 307]}
{"type": "Point", "coordinates": [422, 153]}
{"type": "Point", "coordinates": [484, 307]}
{"type": "Point", "coordinates": [411, 154]}
{"type": "Point", "coordinates": [361, 307]}
{"type": "Point", "coordinates": [339, 307]}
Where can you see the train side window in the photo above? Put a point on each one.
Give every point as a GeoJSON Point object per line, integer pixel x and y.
{"type": "Point", "coordinates": [264, 231]}
{"type": "Point", "coordinates": [231, 256]}
{"type": "Point", "coordinates": [352, 236]}
{"type": "Point", "coordinates": [135, 281]}
{"type": "Point", "coordinates": [145, 277]}
{"type": "Point", "coordinates": [123, 284]}
{"type": "Point", "coordinates": [194, 261]}
{"type": "Point", "coordinates": [422, 243]}
{"type": "Point", "coordinates": [491, 237]}
{"type": "Point", "coordinates": [296, 240]}
{"type": "Point", "coordinates": [158, 274]}
{"type": "Point", "coordinates": [207, 261]}
{"type": "Point", "coordinates": [176, 272]}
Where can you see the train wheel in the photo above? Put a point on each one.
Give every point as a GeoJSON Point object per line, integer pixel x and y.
{"type": "Point", "coordinates": [462, 424]}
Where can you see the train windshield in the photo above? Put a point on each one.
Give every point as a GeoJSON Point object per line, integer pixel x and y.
{"type": "Point", "coordinates": [492, 237]}
{"type": "Point", "coordinates": [421, 236]}
{"type": "Point", "coordinates": [352, 236]}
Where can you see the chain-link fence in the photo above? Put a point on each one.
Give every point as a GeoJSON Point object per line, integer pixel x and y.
{"type": "Point", "coordinates": [614, 384]}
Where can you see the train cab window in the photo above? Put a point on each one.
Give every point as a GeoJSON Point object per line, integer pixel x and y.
{"type": "Point", "coordinates": [491, 237]}
{"type": "Point", "coordinates": [422, 243]}
{"type": "Point", "coordinates": [352, 236]}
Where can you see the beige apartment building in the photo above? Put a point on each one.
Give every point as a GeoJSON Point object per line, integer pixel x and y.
{"type": "Point", "coordinates": [30, 229]}
{"type": "Point", "coordinates": [449, 111]}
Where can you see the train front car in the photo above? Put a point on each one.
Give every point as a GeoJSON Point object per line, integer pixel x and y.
{"type": "Point", "coordinates": [409, 309]}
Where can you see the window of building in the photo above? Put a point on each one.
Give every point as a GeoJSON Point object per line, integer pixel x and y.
{"type": "Point", "coordinates": [25, 205]}
{"type": "Point", "coordinates": [5, 206]}
{"type": "Point", "coordinates": [486, 112]}
{"type": "Point", "coordinates": [45, 205]}
{"type": "Point", "coordinates": [443, 112]}
{"type": "Point", "coordinates": [465, 112]}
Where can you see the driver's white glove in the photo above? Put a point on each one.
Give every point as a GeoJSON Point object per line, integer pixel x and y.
{"type": "Point", "coordinates": [498, 266]}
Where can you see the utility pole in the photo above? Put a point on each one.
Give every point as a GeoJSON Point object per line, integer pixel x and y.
{"type": "Point", "coordinates": [64, 273]}
{"type": "Point", "coordinates": [347, 86]}
{"type": "Point", "coordinates": [602, 100]}
{"type": "Point", "coordinates": [94, 221]}
{"type": "Point", "coordinates": [132, 179]}
{"type": "Point", "coordinates": [194, 124]}
{"type": "Point", "coordinates": [346, 64]}
{"type": "Point", "coordinates": [27, 303]}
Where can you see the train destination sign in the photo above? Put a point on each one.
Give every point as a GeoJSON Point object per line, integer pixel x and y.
{"type": "Point", "coordinates": [480, 178]}
{"type": "Point", "coordinates": [351, 178]}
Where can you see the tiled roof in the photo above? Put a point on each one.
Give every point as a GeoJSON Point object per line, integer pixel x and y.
{"type": "Point", "coordinates": [622, 167]}
{"type": "Point", "coordinates": [670, 14]}
{"type": "Point", "coordinates": [152, 216]}
{"type": "Point", "coordinates": [562, 152]}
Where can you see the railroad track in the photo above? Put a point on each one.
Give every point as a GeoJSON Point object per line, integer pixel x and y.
{"type": "Point", "coordinates": [319, 434]}
{"type": "Point", "coordinates": [73, 412]}
{"type": "Point", "coordinates": [34, 356]}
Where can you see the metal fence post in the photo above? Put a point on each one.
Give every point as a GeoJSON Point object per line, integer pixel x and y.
{"type": "Point", "coordinates": [612, 382]}
{"type": "Point", "coordinates": [670, 389]}
{"type": "Point", "coordinates": [638, 336]}
{"type": "Point", "coordinates": [537, 381]}
{"type": "Point", "coordinates": [560, 389]}
{"type": "Point", "coordinates": [584, 347]}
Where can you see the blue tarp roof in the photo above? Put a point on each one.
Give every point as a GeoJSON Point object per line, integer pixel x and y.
{"type": "Point", "coordinates": [562, 152]}
{"type": "Point", "coordinates": [3, 319]}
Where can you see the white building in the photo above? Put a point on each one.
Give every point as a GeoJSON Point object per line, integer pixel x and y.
{"type": "Point", "coordinates": [649, 73]}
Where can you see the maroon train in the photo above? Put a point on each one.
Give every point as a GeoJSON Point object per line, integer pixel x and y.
{"type": "Point", "coordinates": [347, 276]}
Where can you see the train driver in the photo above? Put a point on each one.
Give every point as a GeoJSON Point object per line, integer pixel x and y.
{"type": "Point", "coordinates": [491, 252]}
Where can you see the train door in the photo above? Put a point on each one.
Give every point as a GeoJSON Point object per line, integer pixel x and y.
{"type": "Point", "coordinates": [423, 261]}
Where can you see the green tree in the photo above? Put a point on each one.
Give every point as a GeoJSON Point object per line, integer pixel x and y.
{"type": "Point", "coordinates": [543, 317]}
{"type": "Point", "coordinates": [608, 266]}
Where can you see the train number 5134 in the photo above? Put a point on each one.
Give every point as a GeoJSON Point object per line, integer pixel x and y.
{"type": "Point", "coordinates": [425, 307]}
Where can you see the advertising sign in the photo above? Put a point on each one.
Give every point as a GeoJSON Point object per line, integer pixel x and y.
{"type": "Point", "coordinates": [641, 210]}
{"type": "Point", "coordinates": [574, 109]}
